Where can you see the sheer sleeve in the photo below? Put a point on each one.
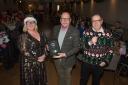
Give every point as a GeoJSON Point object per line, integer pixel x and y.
{"type": "Point", "coordinates": [23, 47]}
{"type": "Point", "coordinates": [21, 43]}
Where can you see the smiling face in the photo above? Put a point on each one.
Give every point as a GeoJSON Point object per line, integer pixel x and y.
{"type": "Point", "coordinates": [30, 25]}
{"type": "Point", "coordinates": [97, 22]}
{"type": "Point", "coordinates": [65, 20]}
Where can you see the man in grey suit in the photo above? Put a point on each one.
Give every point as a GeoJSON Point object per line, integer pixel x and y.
{"type": "Point", "coordinates": [68, 38]}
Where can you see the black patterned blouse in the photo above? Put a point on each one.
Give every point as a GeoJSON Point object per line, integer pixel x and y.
{"type": "Point", "coordinates": [32, 72]}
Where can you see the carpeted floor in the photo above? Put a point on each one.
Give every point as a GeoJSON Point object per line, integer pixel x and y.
{"type": "Point", "coordinates": [11, 77]}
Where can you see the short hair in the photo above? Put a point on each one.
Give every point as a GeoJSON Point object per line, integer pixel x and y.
{"type": "Point", "coordinates": [65, 12]}
{"type": "Point", "coordinates": [97, 15]}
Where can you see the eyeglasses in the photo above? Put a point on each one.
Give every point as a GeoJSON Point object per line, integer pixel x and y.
{"type": "Point", "coordinates": [96, 20]}
{"type": "Point", "coordinates": [30, 22]}
{"type": "Point", "coordinates": [65, 18]}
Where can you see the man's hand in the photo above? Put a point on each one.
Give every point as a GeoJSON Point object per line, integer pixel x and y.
{"type": "Point", "coordinates": [94, 40]}
{"type": "Point", "coordinates": [60, 55]}
{"type": "Point", "coordinates": [102, 64]}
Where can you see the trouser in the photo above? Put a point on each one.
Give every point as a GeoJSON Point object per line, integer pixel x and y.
{"type": "Point", "coordinates": [64, 73]}
{"type": "Point", "coordinates": [86, 69]}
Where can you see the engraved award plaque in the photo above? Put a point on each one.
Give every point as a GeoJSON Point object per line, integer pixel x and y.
{"type": "Point", "coordinates": [53, 47]}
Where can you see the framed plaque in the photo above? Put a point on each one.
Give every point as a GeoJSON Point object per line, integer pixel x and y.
{"type": "Point", "coordinates": [54, 48]}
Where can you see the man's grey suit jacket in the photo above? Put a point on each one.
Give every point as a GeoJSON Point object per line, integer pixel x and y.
{"type": "Point", "coordinates": [70, 44]}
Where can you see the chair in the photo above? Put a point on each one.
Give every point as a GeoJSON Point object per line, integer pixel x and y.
{"type": "Point", "coordinates": [117, 75]}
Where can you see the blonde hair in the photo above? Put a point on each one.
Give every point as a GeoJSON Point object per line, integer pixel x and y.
{"type": "Point", "coordinates": [25, 28]}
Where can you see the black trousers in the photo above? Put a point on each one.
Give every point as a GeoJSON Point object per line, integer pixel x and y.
{"type": "Point", "coordinates": [86, 70]}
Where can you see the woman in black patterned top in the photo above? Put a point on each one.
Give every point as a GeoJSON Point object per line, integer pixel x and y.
{"type": "Point", "coordinates": [32, 47]}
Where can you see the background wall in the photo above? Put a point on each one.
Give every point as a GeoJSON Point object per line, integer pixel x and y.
{"type": "Point", "coordinates": [7, 5]}
{"type": "Point", "coordinates": [111, 10]}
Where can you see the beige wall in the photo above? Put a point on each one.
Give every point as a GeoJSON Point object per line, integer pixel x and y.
{"type": "Point", "coordinates": [111, 10]}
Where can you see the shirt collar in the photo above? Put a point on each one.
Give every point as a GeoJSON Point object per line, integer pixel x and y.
{"type": "Point", "coordinates": [64, 29]}
{"type": "Point", "coordinates": [101, 30]}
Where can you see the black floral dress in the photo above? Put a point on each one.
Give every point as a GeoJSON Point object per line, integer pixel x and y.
{"type": "Point", "coordinates": [32, 72]}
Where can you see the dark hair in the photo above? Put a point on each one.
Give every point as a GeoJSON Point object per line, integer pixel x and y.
{"type": "Point", "coordinates": [97, 14]}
